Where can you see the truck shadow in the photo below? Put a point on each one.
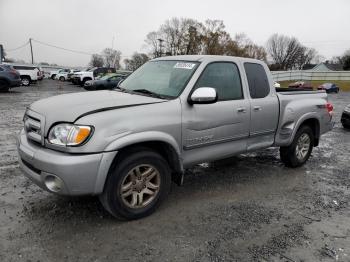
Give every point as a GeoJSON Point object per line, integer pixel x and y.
{"type": "Point", "coordinates": [212, 176]}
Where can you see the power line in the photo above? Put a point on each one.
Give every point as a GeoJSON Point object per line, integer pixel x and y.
{"type": "Point", "coordinates": [14, 49]}
{"type": "Point", "coordinates": [70, 50]}
{"type": "Point", "coordinates": [63, 48]}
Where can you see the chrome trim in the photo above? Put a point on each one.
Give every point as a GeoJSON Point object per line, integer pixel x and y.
{"type": "Point", "coordinates": [34, 126]}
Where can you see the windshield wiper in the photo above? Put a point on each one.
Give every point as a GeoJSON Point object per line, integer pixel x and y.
{"type": "Point", "coordinates": [119, 89]}
{"type": "Point", "coordinates": [148, 92]}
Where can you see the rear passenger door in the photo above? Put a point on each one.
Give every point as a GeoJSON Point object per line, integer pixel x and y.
{"type": "Point", "coordinates": [264, 109]}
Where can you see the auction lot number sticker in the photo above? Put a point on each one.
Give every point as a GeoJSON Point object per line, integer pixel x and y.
{"type": "Point", "coordinates": [184, 65]}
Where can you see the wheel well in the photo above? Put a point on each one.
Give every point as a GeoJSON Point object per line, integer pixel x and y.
{"type": "Point", "coordinates": [87, 78]}
{"type": "Point", "coordinates": [25, 76]}
{"type": "Point", "coordinates": [164, 149]}
{"type": "Point", "coordinates": [314, 124]}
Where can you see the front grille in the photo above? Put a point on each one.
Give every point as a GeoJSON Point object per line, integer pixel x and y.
{"type": "Point", "coordinates": [32, 127]}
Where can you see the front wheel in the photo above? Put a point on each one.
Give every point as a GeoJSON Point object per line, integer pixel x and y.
{"type": "Point", "coordinates": [61, 78]}
{"type": "Point", "coordinates": [25, 81]}
{"type": "Point", "coordinates": [299, 151]}
{"type": "Point", "coordinates": [136, 185]}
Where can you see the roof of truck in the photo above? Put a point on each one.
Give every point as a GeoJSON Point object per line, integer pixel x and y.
{"type": "Point", "coordinates": [208, 58]}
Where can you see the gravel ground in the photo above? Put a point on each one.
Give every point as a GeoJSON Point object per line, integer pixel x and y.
{"type": "Point", "coordinates": [247, 208]}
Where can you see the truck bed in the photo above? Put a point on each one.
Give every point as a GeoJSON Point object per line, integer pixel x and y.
{"type": "Point", "coordinates": [297, 90]}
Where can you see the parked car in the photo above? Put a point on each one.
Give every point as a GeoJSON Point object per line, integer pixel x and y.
{"type": "Point", "coordinates": [301, 85]}
{"type": "Point", "coordinates": [55, 72]}
{"type": "Point", "coordinates": [71, 73]}
{"type": "Point", "coordinates": [126, 145]}
{"type": "Point", "coordinates": [79, 78]}
{"type": "Point", "coordinates": [345, 117]}
{"type": "Point", "coordinates": [9, 78]}
{"type": "Point", "coordinates": [106, 82]}
{"type": "Point", "coordinates": [329, 88]}
{"type": "Point", "coordinates": [29, 74]}
{"type": "Point", "coordinates": [64, 75]}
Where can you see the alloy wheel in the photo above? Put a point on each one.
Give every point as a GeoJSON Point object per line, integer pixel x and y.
{"type": "Point", "coordinates": [140, 186]}
{"type": "Point", "coordinates": [303, 146]}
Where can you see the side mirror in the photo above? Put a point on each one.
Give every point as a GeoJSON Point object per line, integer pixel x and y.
{"type": "Point", "coordinates": [203, 95]}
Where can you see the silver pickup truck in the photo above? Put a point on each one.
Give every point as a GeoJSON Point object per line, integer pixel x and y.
{"type": "Point", "coordinates": [127, 145]}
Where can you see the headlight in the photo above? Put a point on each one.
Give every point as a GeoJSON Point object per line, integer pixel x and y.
{"type": "Point", "coordinates": [69, 134]}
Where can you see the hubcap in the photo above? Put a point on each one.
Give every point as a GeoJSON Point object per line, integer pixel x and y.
{"type": "Point", "coordinates": [140, 186]}
{"type": "Point", "coordinates": [303, 146]}
{"type": "Point", "coordinates": [25, 81]}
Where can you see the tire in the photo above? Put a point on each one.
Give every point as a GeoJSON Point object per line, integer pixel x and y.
{"type": "Point", "coordinates": [346, 126]}
{"type": "Point", "coordinates": [4, 86]}
{"type": "Point", "coordinates": [25, 80]}
{"type": "Point", "coordinates": [53, 76]}
{"type": "Point", "coordinates": [125, 208]}
{"type": "Point", "coordinates": [289, 154]}
{"type": "Point", "coordinates": [84, 80]}
{"type": "Point", "coordinates": [61, 78]}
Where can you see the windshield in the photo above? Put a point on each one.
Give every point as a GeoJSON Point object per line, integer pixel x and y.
{"type": "Point", "coordinates": [106, 77]}
{"type": "Point", "coordinates": [165, 78]}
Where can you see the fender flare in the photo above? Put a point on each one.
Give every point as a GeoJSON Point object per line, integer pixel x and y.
{"type": "Point", "coordinates": [133, 139]}
{"type": "Point", "coordinates": [301, 120]}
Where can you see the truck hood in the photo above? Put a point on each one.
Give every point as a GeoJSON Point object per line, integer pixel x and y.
{"type": "Point", "coordinates": [70, 107]}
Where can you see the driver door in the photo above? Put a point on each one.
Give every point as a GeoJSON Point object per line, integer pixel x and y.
{"type": "Point", "coordinates": [221, 129]}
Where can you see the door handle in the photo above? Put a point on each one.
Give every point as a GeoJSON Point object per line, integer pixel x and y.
{"type": "Point", "coordinates": [241, 110]}
{"type": "Point", "coordinates": [257, 108]}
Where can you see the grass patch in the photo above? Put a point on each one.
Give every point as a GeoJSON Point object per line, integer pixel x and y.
{"type": "Point", "coordinates": [344, 85]}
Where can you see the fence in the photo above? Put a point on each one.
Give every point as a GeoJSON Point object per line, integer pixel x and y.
{"type": "Point", "coordinates": [308, 75]}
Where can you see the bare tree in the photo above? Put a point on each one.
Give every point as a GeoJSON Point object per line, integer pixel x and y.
{"type": "Point", "coordinates": [96, 60]}
{"type": "Point", "coordinates": [136, 61]}
{"type": "Point", "coordinates": [153, 43]}
{"type": "Point", "coordinates": [215, 38]}
{"type": "Point", "coordinates": [288, 53]}
{"type": "Point", "coordinates": [111, 57]}
{"type": "Point", "coordinates": [244, 47]}
{"type": "Point", "coordinates": [185, 36]}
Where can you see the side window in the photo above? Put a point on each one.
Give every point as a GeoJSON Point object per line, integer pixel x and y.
{"type": "Point", "coordinates": [257, 80]}
{"type": "Point", "coordinates": [225, 78]}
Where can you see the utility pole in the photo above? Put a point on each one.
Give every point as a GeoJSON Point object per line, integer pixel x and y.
{"type": "Point", "coordinates": [2, 55]}
{"type": "Point", "coordinates": [31, 49]}
{"type": "Point", "coordinates": [160, 46]}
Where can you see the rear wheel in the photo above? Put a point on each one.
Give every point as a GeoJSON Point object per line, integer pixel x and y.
{"type": "Point", "coordinates": [297, 153]}
{"type": "Point", "coordinates": [53, 76]}
{"type": "Point", "coordinates": [136, 185]}
{"type": "Point", "coordinates": [4, 86]}
{"type": "Point", "coordinates": [25, 80]}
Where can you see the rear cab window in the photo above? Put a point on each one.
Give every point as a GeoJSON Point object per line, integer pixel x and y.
{"type": "Point", "coordinates": [257, 80]}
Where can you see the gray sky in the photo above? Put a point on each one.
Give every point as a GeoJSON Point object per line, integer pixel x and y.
{"type": "Point", "coordinates": [90, 25]}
